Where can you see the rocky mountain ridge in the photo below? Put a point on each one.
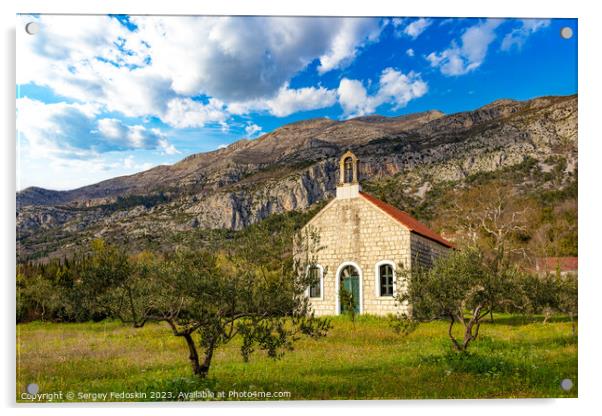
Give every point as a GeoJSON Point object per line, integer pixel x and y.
{"type": "Point", "coordinates": [295, 166]}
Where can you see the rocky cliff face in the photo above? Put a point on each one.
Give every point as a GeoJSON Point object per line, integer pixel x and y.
{"type": "Point", "coordinates": [295, 166]}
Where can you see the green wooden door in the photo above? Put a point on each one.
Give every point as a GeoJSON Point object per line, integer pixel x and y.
{"type": "Point", "coordinates": [350, 284]}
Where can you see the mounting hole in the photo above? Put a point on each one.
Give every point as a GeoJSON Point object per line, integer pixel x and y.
{"type": "Point", "coordinates": [566, 384]}
{"type": "Point", "coordinates": [566, 32]}
{"type": "Point", "coordinates": [32, 28]}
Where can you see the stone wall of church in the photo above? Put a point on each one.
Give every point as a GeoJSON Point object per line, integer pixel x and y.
{"type": "Point", "coordinates": [353, 231]}
{"type": "Point", "coordinates": [424, 250]}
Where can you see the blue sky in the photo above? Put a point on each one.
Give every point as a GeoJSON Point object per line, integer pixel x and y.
{"type": "Point", "coordinates": [103, 96]}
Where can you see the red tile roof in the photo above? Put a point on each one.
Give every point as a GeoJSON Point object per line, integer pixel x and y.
{"type": "Point", "coordinates": [407, 220]}
{"type": "Point", "coordinates": [549, 264]}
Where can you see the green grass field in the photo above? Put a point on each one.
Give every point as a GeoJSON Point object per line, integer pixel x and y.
{"type": "Point", "coordinates": [513, 357]}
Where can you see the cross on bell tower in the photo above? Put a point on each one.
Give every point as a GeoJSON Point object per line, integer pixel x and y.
{"type": "Point", "coordinates": [348, 186]}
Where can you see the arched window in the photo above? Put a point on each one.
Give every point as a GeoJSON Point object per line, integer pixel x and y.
{"type": "Point", "coordinates": [317, 283]}
{"type": "Point", "coordinates": [348, 177]}
{"type": "Point", "coordinates": [385, 278]}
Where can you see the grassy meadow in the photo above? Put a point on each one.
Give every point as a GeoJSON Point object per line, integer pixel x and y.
{"type": "Point", "coordinates": [514, 357]}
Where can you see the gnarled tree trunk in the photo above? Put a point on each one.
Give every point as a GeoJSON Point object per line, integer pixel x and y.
{"type": "Point", "coordinates": [193, 355]}
{"type": "Point", "coordinates": [204, 369]}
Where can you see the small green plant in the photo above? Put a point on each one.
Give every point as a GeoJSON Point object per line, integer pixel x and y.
{"type": "Point", "coordinates": [347, 303]}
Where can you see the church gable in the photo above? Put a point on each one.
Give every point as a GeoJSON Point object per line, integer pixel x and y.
{"type": "Point", "coordinates": [340, 214]}
{"type": "Point", "coordinates": [349, 190]}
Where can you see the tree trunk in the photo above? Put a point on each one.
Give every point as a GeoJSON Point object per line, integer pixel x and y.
{"type": "Point", "coordinates": [546, 316]}
{"type": "Point", "coordinates": [467, 335]}
{"type": "Point", "coordinates": [194, 356]}
{"type": "Point", "coordinates": [471, 330]}
{"type": "Point", "coordinates": [456, 344]}
{"type": "Point", "coordinates": [207, 361]}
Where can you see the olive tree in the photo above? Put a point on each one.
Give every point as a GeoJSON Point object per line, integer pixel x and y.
{"type": "Point", "coordinates": [206, 298]}
{"type": "Point", "coordinates": [38, 297]}
{"type": "Point", "coordinates": [568, 298]}
{"type": "Point", "coordinates": [459, 288]}
{"type": "Point", "coordinates": [543, 293]}
{"type": "Point", "coordinates": [552, 292]}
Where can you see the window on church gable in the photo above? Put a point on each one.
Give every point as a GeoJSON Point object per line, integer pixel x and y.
{"type": "Point", "coordinates": [348, 164]}
{"type": "Point", "coordinates": [385, 277]}
{"type": "Point", "coordinates": [315, 288]}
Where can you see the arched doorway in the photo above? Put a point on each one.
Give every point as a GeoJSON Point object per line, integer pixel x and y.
{"type": "Point", "coordinates": [349, 285]}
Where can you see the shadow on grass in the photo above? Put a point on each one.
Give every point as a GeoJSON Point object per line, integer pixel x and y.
{"type": "Point", "coordinates": [518, 320]}
{"type": "Point", "coordinates": [485, 342]}
{"type": "Point", "coordinates": [470, 362]}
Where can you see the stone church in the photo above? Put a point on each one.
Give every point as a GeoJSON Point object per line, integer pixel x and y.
{"type": "Point", "coordinates": [365, 240]}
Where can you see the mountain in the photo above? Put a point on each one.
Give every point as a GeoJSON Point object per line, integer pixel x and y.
{"type": "Point", "coordinates": [294, 167]}
{"type": "Point", "coordinates": [287, 145]}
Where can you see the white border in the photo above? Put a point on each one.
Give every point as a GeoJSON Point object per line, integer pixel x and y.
{"type": "Point", "coordinates": [590, 204]}
{"type": "Point", "coordinates": [336, 285]}
{"type": "Point", "coordinates": [431, 8]}
{"type": "Point", "coordinates": [377, 279]}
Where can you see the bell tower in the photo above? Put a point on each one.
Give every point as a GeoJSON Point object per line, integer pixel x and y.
{"type": "Point", "coordinates": [348, 186]}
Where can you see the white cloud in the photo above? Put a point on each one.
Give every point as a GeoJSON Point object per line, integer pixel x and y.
{"type": "Point", "coordinates": [354, 98]}
{"type": "Point", "coordinates": [288, 101]}
{"type": "Point", "coordinates": [416, 28]}
{"type": "Point", "coordinates": [121, 136]}
{"type": "Point", "coordinates": [518, 36]}
{"type": "Point", "coordinates": [397, 21]}
{"type": "Point", "coordinates": [57, 129]}
{"type": "Point", "coordinates": [251, 129]}
{"type": "Point", "coordinates": [410, 52]}
{"type": "Point", "coordinates": [165, 146]}
{"type": "Point", "coordinates": [92, 59]}
{"type": "Point", "coordinates": [394, 88]}
{"type": "Point", "coordinates": [354, 33]}
{"type": "Point", "coordinates": [460, 59]}
{"type": "Point", "coordinates": [399, 89]}
{"type": "Point", "coordinates": [156, 69]}
{"type": "Point", "coordinates": [67, 131]}
{"type": "Point", "coordinates": [67, 40]}
{"type": "Point", "coordinates": [112, 128]}
{"type": "Point", "coordinates": [185, 112]}
{"type": "Point", "coordinates": [244, 58]}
